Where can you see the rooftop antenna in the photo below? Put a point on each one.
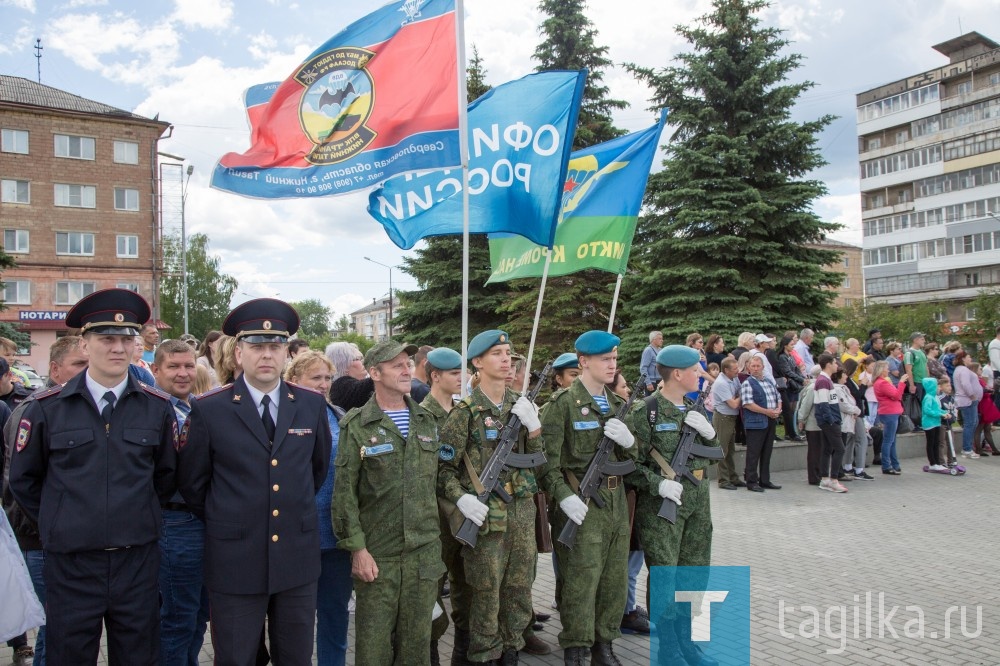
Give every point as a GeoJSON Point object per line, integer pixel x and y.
{"type": "Point", "coordinates": [960, 26]}
{"type": "Point", "coordinates": [38, 57]}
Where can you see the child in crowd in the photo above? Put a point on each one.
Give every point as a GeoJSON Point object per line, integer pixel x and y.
{"type": "Point", "coordinates": [949, 417]}
{"type": "Point", "coordinates": [713, 369]}
{"type": "Point", "coordinates": [982, 440]}
{"type": "Point", "coordinates": [930, 421]}
{"type": "Point", "coordinates": [867, 380]}
{"type": "Point", "coordinates": [848, 411]}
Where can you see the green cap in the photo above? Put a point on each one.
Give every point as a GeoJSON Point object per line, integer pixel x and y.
{"type": "Point", "coordinates": [677, 356]}
{"type": "Point", "coordinates": [386, 351]}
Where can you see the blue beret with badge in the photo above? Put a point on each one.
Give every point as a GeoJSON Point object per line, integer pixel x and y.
{"type": "Point", "coordinates": [592, 343]}
{"type": "Point", "coordinates": [443, 358]}
{"type": "Point", "coordinates": [485, 341]}
{"type": "Point", "coordinates": [567, 360]}
{"type": "Point", "coordinates": [678, 356]}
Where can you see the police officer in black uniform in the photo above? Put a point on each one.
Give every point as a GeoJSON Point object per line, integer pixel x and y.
{"type": "Point", "coordinates": [256, 452]}
{"type": "Point", "coordinates": [15, 392]}
{"type": "Point", "coordinates": [92, 461]}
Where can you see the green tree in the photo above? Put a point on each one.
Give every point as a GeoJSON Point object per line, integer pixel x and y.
{"type": "Point", "coordinates": [432, 314]}
{"type": "Point", "coordinates": [896, 322]}
{"type": "Point", "coordinates": [314, 318]}
{"type": "Point", "coordinates": [209, 289]}
{"type": "Point", "coordinates": [582, 301]}
{"type": "Point", "coordinates": [9, 330]}
{"type": "Point", "coordinates": [724, 244]}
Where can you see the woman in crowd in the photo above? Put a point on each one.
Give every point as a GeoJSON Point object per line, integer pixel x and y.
{"type": "Point", "coordinates": [744, 343]}
{"type": "Point", "coordinates": [866, 383]}
{"type": "Point", "coordinates": [226, 367]}
{"type": "Point", "coordinates": [806, 417]}
{"type": "Point", "coordinates": [948, 358]}
{"type": "Point", "coordinates": [314, 370]}
{"type": "Point", "coordinates": [988, 415]}
{"type": "Point", "coordinates": [202, 381]}
{"type": "Point", "coordinates": [566, 368]}
{"type": "Point", "coordinates": [715, 349]}
{"type": "Point", "coordinates": [895, 361]}
{"type": "Point", "coordinates": [790, 382]}
{"type": "Point", "coordinates": [696, 342]}
{"type": "Point", "coordinates": [935, 368]}
{"type": "Point", "coordinates": [968, 393]}
{"type": "Point", "coordinates": [352, 386]}
{"type": "Point", "coordinates": [853, 352]}
{"type": "Point", "coordinates": [207, 353]}
{"type": "Point", "coordinates": [890, 406]}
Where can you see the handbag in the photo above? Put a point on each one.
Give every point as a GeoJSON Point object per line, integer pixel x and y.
{"type": "Point", "coordinates": [905, 425]}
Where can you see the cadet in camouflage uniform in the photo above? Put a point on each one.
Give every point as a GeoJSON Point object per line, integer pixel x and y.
{"type": "Point", "coordinates": [593, 575]}
{"type": "Point", "coordinates": [385, 513]}
{"type": "Point", "coordinates": [500, 569]}
{"type": "Point", "coordinates": [688, 542]}
{"type": "Point", "coordinates": [444, 375]}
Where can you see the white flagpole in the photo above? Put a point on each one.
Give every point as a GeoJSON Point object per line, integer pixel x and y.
{"type": "Point", "coordinates": [463, 142]}
{"type": "Point", "coordinates": [534, 327]}
{"type": "Point", "coordinates": [614, 303]}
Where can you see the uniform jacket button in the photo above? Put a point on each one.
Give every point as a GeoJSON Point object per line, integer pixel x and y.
{"type": "Point", "coordinates": [275, 513]}
{"type": "Point", "coordinates": [274, 463]}
{"type": "Point", "coordinates": [274, 538]}
{"type": "Point", "coordinates": [275, 487]}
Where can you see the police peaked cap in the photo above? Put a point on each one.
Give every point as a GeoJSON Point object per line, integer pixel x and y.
{"type": "Point", "coordinates": [592, 343]}
{"type": "Point", "coordinates": [262, 320]}
{"type": "Point", "coordinates": [109, 312]}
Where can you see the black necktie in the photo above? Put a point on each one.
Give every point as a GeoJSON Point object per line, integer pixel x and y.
{"type": "Point", "coordinates": [265, 416]}
{"type": "Point", "coordinates": [109, 398]}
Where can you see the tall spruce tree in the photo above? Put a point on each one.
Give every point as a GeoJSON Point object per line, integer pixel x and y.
{"type": "Point", "coordinates": [432, 314]}
{"type": "Point", "coordinates": [725, 244]}
{"type": "Point", "coordinates": [582, 301]}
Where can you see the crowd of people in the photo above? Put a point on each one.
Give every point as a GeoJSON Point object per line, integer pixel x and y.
{"type": "Point", "coordinates": [250, 483]}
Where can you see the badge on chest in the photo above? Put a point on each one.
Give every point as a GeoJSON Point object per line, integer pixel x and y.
{"type": "Point", "coordinates": [586, 425]}
{"type": "Point", "coordinates": [666, 427]}
{"type": "Point", "coordinates": [376, 450]}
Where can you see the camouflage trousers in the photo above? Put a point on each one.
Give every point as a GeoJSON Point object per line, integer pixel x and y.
{"type": "Point", "coordinates": [500, 571]}
{"type": "Point", "coordinates": [393, 616]}
{"type": "Point", "coordinates": [592, 584]}
{"type": "Point", "coordinates": [451, 555]}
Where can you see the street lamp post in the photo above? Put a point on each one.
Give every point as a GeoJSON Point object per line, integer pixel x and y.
{"type": "Point", "coordinates": [184, 193]}
{"type": "Point", "coordinates": [390, 289]}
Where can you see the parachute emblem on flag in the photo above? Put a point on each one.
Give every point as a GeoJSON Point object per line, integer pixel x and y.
{"type": "Point", "coordinates": [582, 174]}
{"type": "Point", "coordinates": [336, 103]}
{"type": "Point", "coordinates": [412, 10]}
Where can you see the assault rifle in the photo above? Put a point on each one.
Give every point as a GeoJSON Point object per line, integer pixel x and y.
{"type": "Point", "coordinates": [686, 449]}
{"type": "Point", "coordinates": [504, 458]}
{"type": "Point", "coordinates": [600, 468]}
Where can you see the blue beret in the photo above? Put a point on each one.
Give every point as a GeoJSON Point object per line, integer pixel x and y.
{"type": "Point", "coordinates": [677, 356]}
{"type": "Point", "coordinates": [482, 343]}
{"type": "Point", "coordinates": [567, 360]}
{"type": "Point", "coordinates": [443, 358]}
{"type": "Point", "coordinates": [596, 342]}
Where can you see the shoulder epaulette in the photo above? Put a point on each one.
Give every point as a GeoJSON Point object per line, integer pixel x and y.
{"type": "Point", "coordinates": [554, 396]}
{"type": "Point", "coordinates": [48, 393]}
{"type": "Point", "coordinates": [465, 402]}
{"type": "Point", "coordinates": [212, 392]}
{"type": "Point", "coordinates": [304, 388]}
{"type": "Point", "coordinates": [152, 390]}
{"type": "Point", "coordinates": [350, 416]}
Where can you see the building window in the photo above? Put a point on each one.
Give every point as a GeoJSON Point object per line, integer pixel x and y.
{"type": "Point", "coordinates": [995, 79]}
{"type": "Point", "coordinates": [74, 242]}
{"type": "Point", "coordinates": [126, 199]}
{"type": "Point", "coordinates": [847, 262]}
{"type": "Point", "coordinates": [846, 284]}
{"type": "Point", "coordinates": [848, 302]}
{"type": "Point", "coordinates": [68, 293]}
{"type": "Point", "coordinates": [970, 314]}
{"type": "Point", "coordinates": [76, 147]}
{"type": "Point", "coordinates": [874, 143]}
{"type": "Point", "coordinates": [76, 196]}
{"type": "Point", "coordinates": [131, 286]}
{"type": "Point", "coordinates": [126, 152]}
{"type": "Point", "coordinates": [15, 241]}
{"type": "Point", "coordinates": [128, 247]}
{"type": "Point", "coordinates": [939, 317]}
{"type": "Point", "coordinates": [17, 292]}
{"type": "Point", "coordinates": [902, 136]}
{"type": "Point", "coordinates": [964, 88]}
{"type": "Point", "coordinates": [971, 279]}
{"type": "Point", "coordinates": [15, 191]}
{"type": "Point", "coordinates": [14, 141]}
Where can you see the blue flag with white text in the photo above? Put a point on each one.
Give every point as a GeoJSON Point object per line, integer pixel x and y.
{"type": "Point", "coordinates": [520, 138]}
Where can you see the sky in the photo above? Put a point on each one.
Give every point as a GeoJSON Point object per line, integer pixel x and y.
{"type": "Point", "coordinates": [190, 61]}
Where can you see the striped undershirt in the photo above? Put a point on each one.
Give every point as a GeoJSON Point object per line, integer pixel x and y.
{"type": "Point", "coordinates": [602, 402]}
{"type": "Point", "coordinates": [401, 418]}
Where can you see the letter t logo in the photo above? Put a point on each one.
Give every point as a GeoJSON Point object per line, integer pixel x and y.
{"type": "Point", "coordinates": [701, 610]}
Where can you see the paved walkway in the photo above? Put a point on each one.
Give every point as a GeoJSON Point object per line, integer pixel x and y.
{"type": "Point", "coordinates": [925, 543]}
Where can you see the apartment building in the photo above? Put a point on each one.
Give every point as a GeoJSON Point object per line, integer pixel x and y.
{"type": "Point", "coordinates": [929, 156]}
{"type": "Point", "coordinates": [372, 321]}
{"type": "Point", "coordinates": [78, 205]}
{"type": "Point", "coordinates": [851, 290]}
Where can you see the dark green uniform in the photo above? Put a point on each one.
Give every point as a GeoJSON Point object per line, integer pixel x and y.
{"type": "Point", "coordinates": [451, 550]}
{"type": "Point", "coordinates": [688, 542]}
{"type": "Point", "coordinates": [384, 500]}
{"type": "Point", "coordinates": [593, 575]}
{"type": "Point", "coordinates": [500, 569]}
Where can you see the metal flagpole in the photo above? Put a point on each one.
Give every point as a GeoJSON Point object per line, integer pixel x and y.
{"type": "Point", "coordinates": [614, 303]}
{"type": "Point", "coordinates": [463, 143]}
{"type": "Point", "coordinates": [534, 327]}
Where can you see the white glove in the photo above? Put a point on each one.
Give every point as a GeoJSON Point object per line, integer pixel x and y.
{"type": "Point", "coordinates": [619, 433]}
{"type": "Point", "coordinates": [698, 421]}
{"type": "Point", "coordinates": [525, 410]}
{"type": "Point", "coordinates": [436, 612]}
{"type": "Point", "coordinates": [472, 508]}
{"type": "Point", "coordinates": [574, 508]}
{"type": "Point", "coordinates": [671, 490]}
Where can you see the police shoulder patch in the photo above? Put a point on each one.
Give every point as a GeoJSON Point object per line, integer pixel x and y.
{"type": "Point", "coordinates": [304, 388]}
{"type": "Point", "coordinates": [23, 434]}
{"type": "Point", "coordinates": [48, 393]}
{"type": "Point", "coordinates": [152, 390]}
{"type": "Point", "coordinates": [215, 391]}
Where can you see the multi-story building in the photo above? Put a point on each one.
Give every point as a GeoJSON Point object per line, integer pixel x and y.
{"type": "Point", "coordinates": [78, 202]}
{"type": "Point", "coordinates": [372, 321]}
{"type": "Point", "coordinates": [851, 290]}
{"type": "Point", "coordinates": [929, 149]}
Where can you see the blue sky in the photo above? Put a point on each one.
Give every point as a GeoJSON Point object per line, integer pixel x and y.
{"type": "Point", "coordinates": [190, 60]}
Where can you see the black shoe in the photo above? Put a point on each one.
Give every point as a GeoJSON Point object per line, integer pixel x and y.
{"type": "Point", "coordinates": [770, 486]}
{"type": "Point", "coordinates": [755, 489]}
{"type": "Point", "coordinates": [542, 617]}
{"type": "Point", "coordinates": [635, 622]}
{"type": "Point", "coordinates": [877, 460]}
{"type": "Point", "coordinates": [535, 645]}
{"type": "Point", "coordinates": [575, 656]}
{"type": "Point", "coordinates": [740, 484]}
{"type": "Point", "coordinates": [435, 657]}
{"type": "Point", "coordinates": [863, 476]}
{"type": "Point", "coordinates": [460, 654]}
{"type": "Point", "coordinates": [537, 626]}
{"type": "Point", "coordinates": [601, 654]}
{"type": "Point", "coordinates": [727, 486]}
{"type": "Point", "coordinates": [508, 658]}
{"type": "Point", "coordinates": [797, 438]}
{"type": "Point", "coordinates": [890, 472]}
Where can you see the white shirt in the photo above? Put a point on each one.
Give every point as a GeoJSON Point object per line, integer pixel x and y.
{"type": "Point", "coordinates": [258, 395]}
{"type": "Point", "coordinates": [97, 391]}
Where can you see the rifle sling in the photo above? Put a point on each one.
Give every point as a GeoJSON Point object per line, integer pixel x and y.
{"type": "Point", "coordinates": [665, 468]}
{"type": "Point", "coordinates": [574, 483]}
{"type": "Point", "coordinates": [476, 483]}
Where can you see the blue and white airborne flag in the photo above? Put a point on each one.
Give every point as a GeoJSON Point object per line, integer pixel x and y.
{"type": "Point", "coordinates": [520, 138]}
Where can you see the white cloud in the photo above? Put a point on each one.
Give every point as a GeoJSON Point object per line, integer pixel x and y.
{"type": "Point", "coordinates": [26, 5]}
{"type": "Point", "coordinates": [74, 4]}
{"type": "Point", "coordinates": [213, 14]}
{"type": "Point", "coordinates": [263, 46]}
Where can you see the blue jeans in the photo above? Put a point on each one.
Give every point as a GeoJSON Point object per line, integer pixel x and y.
{"type": "Point", "coordinates": [635, 559]}
{"type": "Point", "coordinates": [890, 422]}
{"type": "Point", "coordinates": [332, 617]}
{"type": "Point", "coordinates": [35, 559]}
{"type": "Point", "coordinates": [970, 419]}
{"type": "Point", "coordinates": [183, 597]}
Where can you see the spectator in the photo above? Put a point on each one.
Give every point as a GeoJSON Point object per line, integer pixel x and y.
{"type": "Point", "coordinates": [715, 349]}
{"type": "Point", "coordinates": [968, 393]}
{"type": "Point", "coordinates": [806, 336]}
{"type": "Point", "coordinates": [744, 343]}
{"type": "Point", "coordinates": [190, 341]}
{"type": "Point", "coordinates": [419, 386]}
{"type": "Point", "coordinates": [8, 350]}
{"type": "Point", "coordinates": [866, 383]}
{"type": "Point", "coordinates": [855, 457]}
{"type": "Point", "coordinates": [227, 368]}
{"type": "Point", "coordinates": [988, 415]}
{"type": "Point", "coordinates": [352, 387]}
{"type": "Point", "coordinates": [831, 345]}
{"type": "Point", "coordinates": [764, 342]}
{"type": "Point", "coordinates": [873, 335]}
{"type": "Point", "coordinates": [726, 400]}
{"type": "Point", "coordinates": [994, 355]}
{"type": "Point", "coordinates": [895, 362]}
{"type": "Point", "coordinates": [948, 358]}
{"type": "Point", "coordinates": [761, 409]}
{"type": "Point", "coordinates": [915, 364]}
{"type": "Point", "coordinates": [806, 416]}
{"type": "Point", "coordinates": [878, 349]}
{"type": "Point", "coordinates": [202, 381]}
{"type": "Point", "coordinates": [853, 352]}
{"type": "Point", "coordinates": [206, 355]}
{"type": "Point", "coordinates": [789, 382]}
{"type": "Point", "coordinates": [296, 347]}
{"type": "Point", "coordinates": [930, 420]}
{"type": "Point", "coordinates": [828, 418]}
{"type": "Point", "coordinates": [935, 368]}
{"type": "Point", "coordinates": [138, 355]}
{"type": "Point", "coordinates": [741, 365]}
{"type": "Point", "coordinates": [648, 365]}
{"type": "Point", "coordinates": [890, 406]}
{"type": "Point", "coordinates": [150, 338]}
{"type": "Point", "coordinates": [696, 342]}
